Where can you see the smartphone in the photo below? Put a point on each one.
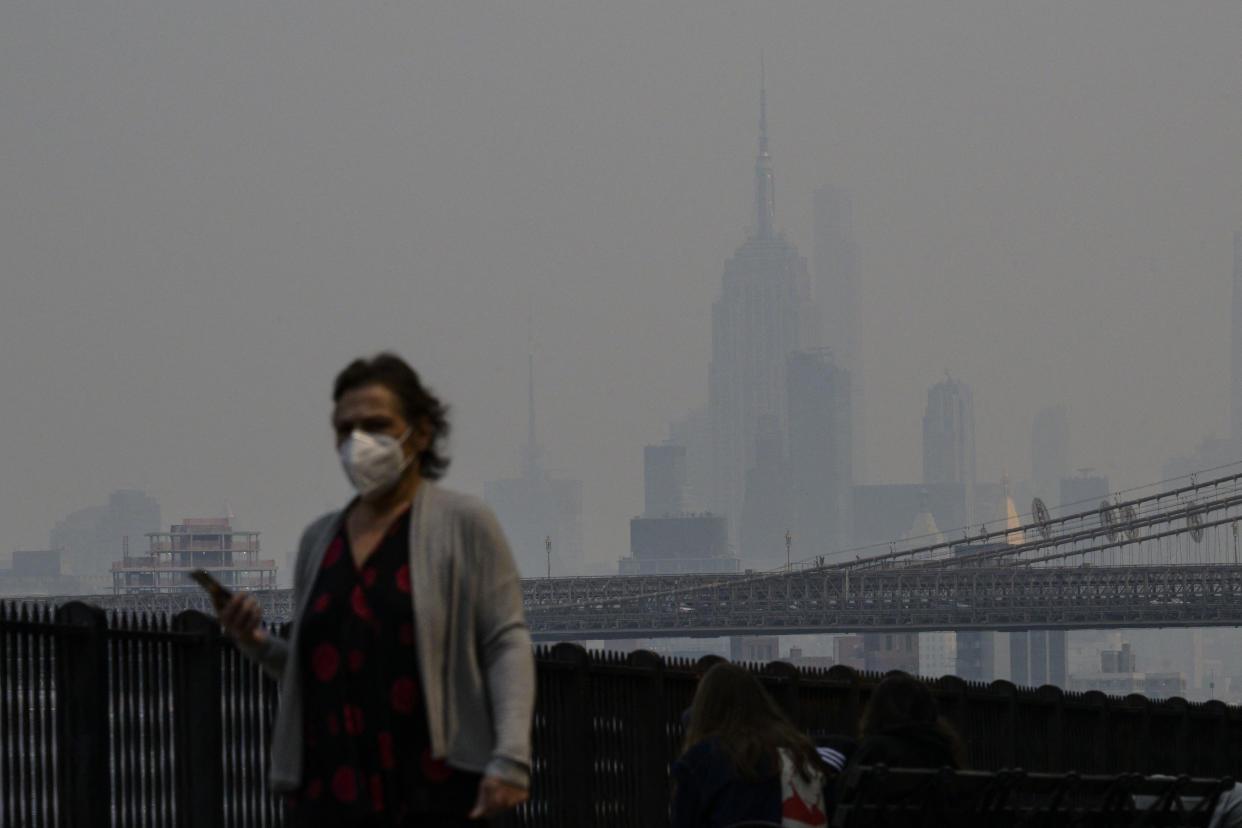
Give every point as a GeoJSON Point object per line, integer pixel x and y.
{"type": "Point", "coordinates": [220, 595]}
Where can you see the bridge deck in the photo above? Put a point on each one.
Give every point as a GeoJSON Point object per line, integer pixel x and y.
{"type": "Point", "coordinates": [828, 600]}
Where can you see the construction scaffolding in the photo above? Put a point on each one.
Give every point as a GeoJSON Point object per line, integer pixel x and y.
{"type": "Point", "coordinates": [230, 555]}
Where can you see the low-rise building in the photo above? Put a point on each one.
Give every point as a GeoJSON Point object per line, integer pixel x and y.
{"type": "Point", "coordinates": [230, 555]}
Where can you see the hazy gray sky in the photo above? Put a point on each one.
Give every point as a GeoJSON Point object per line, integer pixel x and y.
{"type": "Point", "coordinates": [208, 208]}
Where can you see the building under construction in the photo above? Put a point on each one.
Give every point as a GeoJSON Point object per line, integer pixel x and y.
{"type": "Point", "coordinates": [231, 556]}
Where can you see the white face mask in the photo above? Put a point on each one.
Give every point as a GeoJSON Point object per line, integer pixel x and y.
{"type": "Point", "coordinates": [374, 462]}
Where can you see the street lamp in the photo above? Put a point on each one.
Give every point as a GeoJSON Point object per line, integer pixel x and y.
{"type": "Point", "coordinates": [547, 547]}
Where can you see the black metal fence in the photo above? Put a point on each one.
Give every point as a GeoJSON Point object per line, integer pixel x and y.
{"type": "Point", "coordinates": [137, 721]}
{"type": "Point", "coordinates": [879, 797]}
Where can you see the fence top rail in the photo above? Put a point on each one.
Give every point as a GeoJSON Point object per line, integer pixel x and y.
{"type": "Point", "coordinates": [840, 678]}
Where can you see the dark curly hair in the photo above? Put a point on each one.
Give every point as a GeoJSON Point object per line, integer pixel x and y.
{"type": "Point", "coordinates": [417, 402]}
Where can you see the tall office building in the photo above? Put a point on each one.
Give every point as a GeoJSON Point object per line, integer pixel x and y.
{"type": "Point", "coordinates": [821, 482]}
{"type": "Point", "coordinates": [1038, 657]}
{"type": "Point", "coordinates": [1236, 340]}
{"type": "Point", "coordinates": [1049, 452]}
{"type": "Point", "coordinates": [541, 515]}
{"type": "Point", "coordinates": [664, 480]}
{"type": "Point", "coordinates": [94, 537]}
{"type": "Point", "coordinates": [667, 539]}
{"type": "Point", "coordinates": [949, 439]}
{"type": "Point", "coordinates": [836, 295]}
{"type": "Point", "coordinates": [758, 320]}
{"type": "Point", "coordinates": [1083, 493]}
{"type": "Point", "coordinates": [767, 511]}
{"type": "Point", "coordinates": [694, 431]}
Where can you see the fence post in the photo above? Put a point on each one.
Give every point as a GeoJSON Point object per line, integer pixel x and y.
{"type": "Point", "coordinates": [650, 720]}
{"type": "Point", "coordinates": [1009, 742]}
{"type": "Point", "coordinates": [1139, 760]}
{"type": "Point", "coordinates": [1055, 731]}
{"type": "Point", "coordinates": [786, 691]}
{"type": "Point", "coordinates": [197, 722]}
{"type": "Point", "coordinates": [851, 706]}
{"type": "Point", "coordinates": [574, 733]}
{"type": "Point", "coordinates": [1101, 760]}
{"type": "Point", "coordinates": [82, 715]}
{"type": "Point", "coordinates": [1181, 742]}
{"type": "Point", "coordinates": [1216, 763]}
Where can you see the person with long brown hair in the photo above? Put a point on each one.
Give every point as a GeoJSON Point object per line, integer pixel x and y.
{"type": "Point", "coordinates": [901, 727]}
{"type": "Point", "coordinates": [744, 760]}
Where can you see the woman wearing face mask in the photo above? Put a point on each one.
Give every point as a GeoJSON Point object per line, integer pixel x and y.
{"type": "Point", "coordinates": [407, 680]}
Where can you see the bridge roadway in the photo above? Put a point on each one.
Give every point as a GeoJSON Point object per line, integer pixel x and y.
{"type": "Point", "coordinates": [899, 599]}
{"type": "Point", "coordinates": [902, 599]}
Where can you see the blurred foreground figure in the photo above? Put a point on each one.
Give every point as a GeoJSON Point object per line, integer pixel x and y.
{"type": "Point", "coordinates": [408, 680]}
{"type": "Point", "coordinates": [902, 728]}
{"type": "Point", "coordinates": [744, 760]}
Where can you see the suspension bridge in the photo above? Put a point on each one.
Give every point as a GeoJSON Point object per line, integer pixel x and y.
{"type": "Point", "coordinates": [1164, 558]}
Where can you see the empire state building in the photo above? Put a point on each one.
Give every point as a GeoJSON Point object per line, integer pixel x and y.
{"type": "Point", "coordinates": [763, 314]}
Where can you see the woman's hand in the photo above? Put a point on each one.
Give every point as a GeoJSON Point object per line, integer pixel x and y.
{"type": "Point", "coordinates": [240, 618]}
{"type": "Point", "coordinates": [496, 797]}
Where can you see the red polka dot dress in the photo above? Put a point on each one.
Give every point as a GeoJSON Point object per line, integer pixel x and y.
{"type": "Point", "coordinates": [367, 754]}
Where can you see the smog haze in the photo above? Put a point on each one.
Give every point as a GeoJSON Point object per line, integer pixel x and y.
{"type": "Point", "coordinates": [209, 208]}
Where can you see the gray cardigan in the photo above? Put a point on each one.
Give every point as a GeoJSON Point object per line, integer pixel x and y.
{"type": "Point", "coordinates": [473, 647]}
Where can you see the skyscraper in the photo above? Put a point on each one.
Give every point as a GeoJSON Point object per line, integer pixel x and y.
{"type": "Point", "coordinates": [1049, 451]}
{"type": "Point", "coordinates": [541, 515]}
{"type": "Point", "coordinates": [664, 480]}
{"type": "Point", "coordinates": [757, 322]}
{"type": "Point", "coordinates": [95, 536]}
{"type": "Point", "coordinates": [820, 458]}
{"type": "Point", "coordinates": [836, 295]}
{"type": "Point", "coordinates": [949, 439]}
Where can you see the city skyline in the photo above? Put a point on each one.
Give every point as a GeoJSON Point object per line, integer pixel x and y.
{"type": "Point", "coordinates": [208, 212]}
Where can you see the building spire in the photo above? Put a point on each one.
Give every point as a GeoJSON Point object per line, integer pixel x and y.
{"type": "Point", "coordinates": [763, 108]}
{"type": "Point", "coordinates": [764, 189]}
{"type": "Point", "coordinates": [530, 454]}
{"type": "Point", "coordinates": [530, 457]}
{"type": "Point", "coordinates": [1236, 349]}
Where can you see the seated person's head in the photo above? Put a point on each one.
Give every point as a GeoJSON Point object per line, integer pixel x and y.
{"type": "Point", "coordinates": [732, 708]}
{"type": "Point", "coordinates": [898, 699]}
{"type": "Point", "coordinates": [730, 699]}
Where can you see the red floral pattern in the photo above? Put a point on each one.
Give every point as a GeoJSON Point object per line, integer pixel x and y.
{"type": "Point", "coordinates": [345, 784]}
{"type": "Point", "coordinates": [388, 759]}
{"type": "Point", "coordinates": [334, 552]}
{"type": "Point", "coordinates": [365, 737]}
{"type": "Point", "coordinates": [352, 714]}
{"type": "Point", "coordinates": [358, 600]}
{"type": "Point", "coordinates": [434, 769]}
{"type": "Point", "coordinates": [325, 661]}
{"type": "Point", "coordinates": [377, 792]}
{"type": "Point", "coordinates": [402, 696]}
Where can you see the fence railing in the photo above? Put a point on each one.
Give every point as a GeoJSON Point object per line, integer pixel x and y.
{"type": "Point", "coordinates": [132, 720]}
{"type": "Point", "coordinates": [880, 796]}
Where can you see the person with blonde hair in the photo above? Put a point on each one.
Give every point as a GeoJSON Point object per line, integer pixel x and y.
{"type": "Point", "coordinates": [744, 760]}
